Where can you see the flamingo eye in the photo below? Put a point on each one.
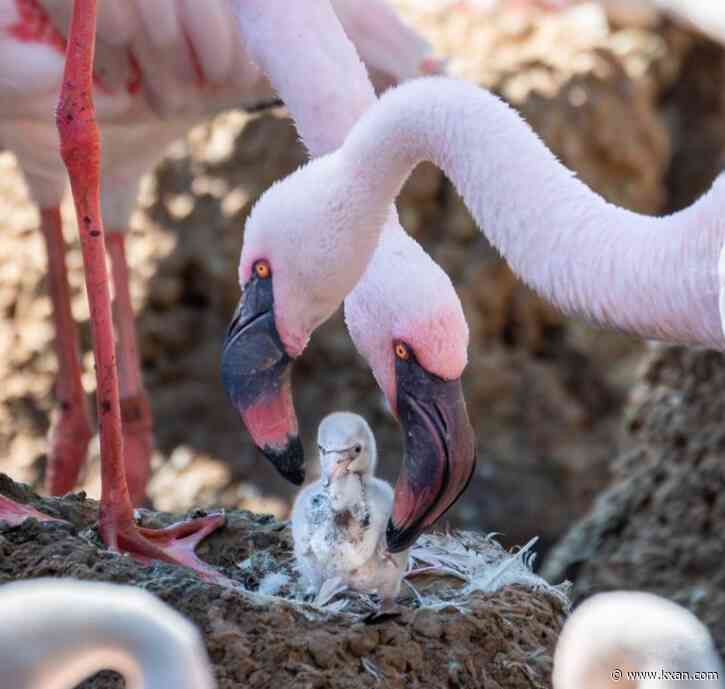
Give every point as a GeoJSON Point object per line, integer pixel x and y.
{"type": "Point", "coordinates": [358, 449]}
{"type": "Point", "coordinates": [402, 351]}
{"type": "Point", "coordinates": [262, 269]}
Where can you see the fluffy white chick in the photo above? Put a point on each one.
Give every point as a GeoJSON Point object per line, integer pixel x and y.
{"type": "Point", "coordinates": [339, 521]}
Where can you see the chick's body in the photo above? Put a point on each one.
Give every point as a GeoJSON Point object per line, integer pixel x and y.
{"type": "Point", "coordinates": [338, 522]}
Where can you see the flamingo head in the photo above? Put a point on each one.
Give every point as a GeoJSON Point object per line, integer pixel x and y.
{"type": "Point", "coordinates": [346, 445]}
{"type": "Point", "coordinates": [406, 320]}
{"type": "Point", "coordinates": [297, 266]}
{"type": "Point", "coordinates": [307, 244]}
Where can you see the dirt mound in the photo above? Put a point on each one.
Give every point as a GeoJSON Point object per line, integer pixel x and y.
{"type": "Point", "coordinates": [658, 527]}
{"type": "Point", "coordinates": [500, 639]}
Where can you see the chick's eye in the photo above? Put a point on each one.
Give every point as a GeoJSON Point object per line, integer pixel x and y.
{"type": "Point", "coordinates": [402, 351]}
{"type": "Point", "coordinates": [358, 449]}
{"type": "Point", "coordinates": [262, 269]}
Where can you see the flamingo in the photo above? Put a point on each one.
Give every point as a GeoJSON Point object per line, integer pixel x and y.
{"type": "Point", "coordinates": [286, 289]}
{"type": "Point", "coordinates": [657, 278]}
{"type": "Point", "coordinates": [338, 522]}
{"type": "Point", "coordinates": [612, 635]}
{"type": "Point", "coordinates": [151, 35]}
{"type": "Point", "coordinates": [161, 68]}
{"type": "Point", "coordinates": [58, 632]}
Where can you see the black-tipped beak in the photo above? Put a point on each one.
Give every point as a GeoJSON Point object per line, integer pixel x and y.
{"type": "Point", "coordinates": [440, 454]}
{"type": "Point", "coordinates": [257, 375]}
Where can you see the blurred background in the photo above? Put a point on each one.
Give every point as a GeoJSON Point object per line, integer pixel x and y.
{"type": "Point", "coordinates": [630, 100]}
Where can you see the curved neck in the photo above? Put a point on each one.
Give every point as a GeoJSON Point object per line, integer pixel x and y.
{"type": "Point", "coordinates": [654, 277]}
{"type": "Point", "coordinates": [54, 636]}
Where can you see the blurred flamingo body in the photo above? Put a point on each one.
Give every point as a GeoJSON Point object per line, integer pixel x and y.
{"type": "Point", "coordinates": [160, 68]}
{"type": "Point", "coordinates": [58, 632]}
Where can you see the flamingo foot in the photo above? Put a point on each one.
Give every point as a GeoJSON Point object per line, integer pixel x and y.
{"type": "Point", "coordinates": [69, 439]}
{"type": "Point", "coordinates": [15, 514]}
{"type": "Point", "coordinates": [138, 445]}
{"type": "Point", "coordinates": [175, 544]}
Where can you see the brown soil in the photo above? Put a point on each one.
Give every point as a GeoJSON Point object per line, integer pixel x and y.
{"type": "Point", "coordinates": [503, 640]}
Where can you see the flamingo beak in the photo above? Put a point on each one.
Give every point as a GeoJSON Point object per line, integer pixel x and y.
{"type": "Point", "coordinates": [440, 454]}
{"type": "Point", "coordinates": [338, 468]}
{"type": "Point", "coordinates": [257, 375]}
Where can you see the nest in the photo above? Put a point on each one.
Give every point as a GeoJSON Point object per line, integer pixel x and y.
{"type": "Point", "coordinates": [475, 615]}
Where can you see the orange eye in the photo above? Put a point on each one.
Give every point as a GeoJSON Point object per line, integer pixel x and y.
{"type": "Point", "coordinates": [262, 269]}
{"type": "Point", "coordinates": [402, 351]}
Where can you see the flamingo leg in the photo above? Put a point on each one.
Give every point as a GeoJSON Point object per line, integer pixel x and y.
{"type": "Point", "coordinates": [71, 432]}
{"type": "Point", "coordinates": [80, 148]}
{"type": "Point", "coordinates": [135, 409]}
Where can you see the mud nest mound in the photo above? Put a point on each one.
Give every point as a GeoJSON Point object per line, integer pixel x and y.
{"type": "Point", "coordinates": [449, 633]}
{"type": "Point", "coordinates": [658, 527]}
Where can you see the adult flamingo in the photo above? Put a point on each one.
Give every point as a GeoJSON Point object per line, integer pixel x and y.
{"type": "Point", "coordinates": [653, 277]}
{"type": "Point", "coordinates": [161, 68]}
{"type": "Point", "coordinates": [278, 312]}
{"type": "Point", "coordinates": [612, 636]}
{"type": "Point", "coordinates": [80, 148]}
{"type": "Point", "coordinates": [58, 632]}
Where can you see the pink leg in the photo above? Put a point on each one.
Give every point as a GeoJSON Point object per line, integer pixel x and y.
{"type": "Point", "coordinates": [14, 513]}
{"type": "Point", "coordinates": [80, 147]}
{"type": "Point", "coordinates": [71, 433]}
{"type": "Point", "coordinates": [135, 409]}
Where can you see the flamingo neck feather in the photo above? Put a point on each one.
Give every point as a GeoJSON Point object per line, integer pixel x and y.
{"type": "Point", "coordinates": [653, 277]}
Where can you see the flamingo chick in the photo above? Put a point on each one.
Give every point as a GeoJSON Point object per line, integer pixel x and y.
{"type": "Point", "coordinates": [612, 635]}
{"type": "Point", "coordinates": [58, 632]}
{"type": "Point", "coordinates": [338, 522]}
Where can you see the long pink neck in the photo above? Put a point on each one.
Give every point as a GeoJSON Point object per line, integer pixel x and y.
{"type": "Point", "coordinates": [654, 277]}
{"type": "Point", "coordinates": [311, 63]}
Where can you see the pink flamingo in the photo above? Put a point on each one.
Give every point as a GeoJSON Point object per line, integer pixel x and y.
{"type": "Point", "coordinates": [80, 141]}
{"type": "Point", "coordinates": [160, 68]}
{"type": "Point", "coordinates": [654, 277]}
{"type": "Point", "coordinates": [287, 289]}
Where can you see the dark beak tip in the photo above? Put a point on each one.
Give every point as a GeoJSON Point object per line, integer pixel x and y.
{"type": "Point", "coordinates": [295, 476]}
{"type": "Point", "coordinates": [399, 539]}
{"type": "Point", "coordinates": [289, 461]}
